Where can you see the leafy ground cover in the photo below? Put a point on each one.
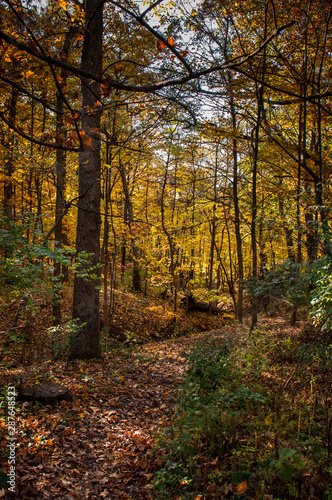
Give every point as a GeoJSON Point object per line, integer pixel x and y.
{"type": "Point", "coordinates": [253, 420]}
{"type": "Point", "coordinates": [207, 415]}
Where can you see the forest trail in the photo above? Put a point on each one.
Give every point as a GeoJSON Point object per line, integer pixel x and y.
{"type": "Point", "coordinates": [100, 443]}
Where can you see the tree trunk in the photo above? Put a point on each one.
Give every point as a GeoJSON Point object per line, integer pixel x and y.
{"type": "Point", "coordinates": [130, 221]}
{"type": "Point", "coordinates": [60, 184]}
{"type": "Point", "coordinates": [239, 309]}
{"type": "Point", "coordinates": [255, 143]}
{"type": "Point", "coordinates": [288, 231]}
{"type": "Point", "coordinates": [213, 223]}
{"type": "Point", "coordinates": [85, 341]}
{"type": "Point", "coordinates": [9, 166]}
{"type": "Point", "coordinates": [255, 149]}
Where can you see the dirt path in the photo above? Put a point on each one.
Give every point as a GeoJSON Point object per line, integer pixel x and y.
{"type": "Point", "coordinates": [101, 442]}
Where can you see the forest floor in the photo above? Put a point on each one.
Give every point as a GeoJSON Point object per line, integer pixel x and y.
{"type": "Point", "coordinates": [101, 444]}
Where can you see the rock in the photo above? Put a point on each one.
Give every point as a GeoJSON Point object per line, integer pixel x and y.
{"type": "Point", "coordinates": [46, 393]}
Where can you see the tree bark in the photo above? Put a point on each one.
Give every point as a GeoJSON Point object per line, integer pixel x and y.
{"type": "Point", "coordinates": [85, 341]}
{"type": "Point", "coordinates": [130, 222]}
{"type": "Point", "coordinates": [239, 308]}
{"type": "Point", "coordinates": [60, 184]}
{"type": "Point", "coordinates": [9, 165]}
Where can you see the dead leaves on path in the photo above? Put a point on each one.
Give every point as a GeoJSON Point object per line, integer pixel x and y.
{"type": "Point", "coordinates": [99, 444]}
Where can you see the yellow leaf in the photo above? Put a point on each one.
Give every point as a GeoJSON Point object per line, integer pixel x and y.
{"type": "Point", "coordinates": [62, 4]}
{"type": "Point", "coordinates": [29, 74]}
{"type": "Point", "coordinates": [242, 487]}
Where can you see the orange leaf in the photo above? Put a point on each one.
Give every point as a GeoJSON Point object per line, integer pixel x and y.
{"type": "Point", "coordinates": [82, 134]}
{"type": "Point", "coordinates": [73, 136]}
{"type": "Point", "coordinates": [88, 144]}
{"type": "Point", "coordinates": [184, 53]}
{"type": "Point", "coordinates": [160, 45]}
{"type": "Point", "coordinates": [70, 118]}
{"type": "Point", "coordinates": [171, 41]}
{"type": "Point", "coordinates": [242, 487]}
{"type": "Point", "coordinates": [118, 67]}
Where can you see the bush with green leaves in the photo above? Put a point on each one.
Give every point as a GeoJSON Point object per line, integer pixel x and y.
{"type": "Point", "coordinates": [212, 409]}
{"type": "Point", "coordinates": [320, 309]}
{"type": "Point", "coordinates": [26, 267]}
{"type": "Point", "coordinates": [287, 281]}
{"type": "Point", "coordinates": [233, 432]}
{"type": "Point", "coordinates": [206, 367]}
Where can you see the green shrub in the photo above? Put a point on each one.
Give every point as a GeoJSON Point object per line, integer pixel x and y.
{"type": "Point", "coordinates": [321, 297]}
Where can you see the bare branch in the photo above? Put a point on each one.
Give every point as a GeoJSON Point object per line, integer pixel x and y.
{"type": "Point", "coordinates": [24, 91]}
{"type": "Point", "coordinates": [143, 88]}
{"type": "Point", "coordinates": [32, 139]}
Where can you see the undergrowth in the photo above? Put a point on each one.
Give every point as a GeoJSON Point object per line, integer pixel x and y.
{"type": "Point", "coordinates": [242, 430]}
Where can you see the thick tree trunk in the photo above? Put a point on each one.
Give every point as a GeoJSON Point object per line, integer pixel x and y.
{"type": "Point", "coordinates": [85, 341]}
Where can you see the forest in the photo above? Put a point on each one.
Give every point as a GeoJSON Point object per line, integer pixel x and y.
{"type": "Point", "coordinates": [165, 249]}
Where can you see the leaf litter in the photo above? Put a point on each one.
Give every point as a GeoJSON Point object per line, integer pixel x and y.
{"type": "Point", "coordinates": [99, 445]}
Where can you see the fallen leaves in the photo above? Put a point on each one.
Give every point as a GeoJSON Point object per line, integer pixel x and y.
{"type": "Point", "coordinates": [242, 488]}
{"type": "Point", "coordinates": [102, 440]}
